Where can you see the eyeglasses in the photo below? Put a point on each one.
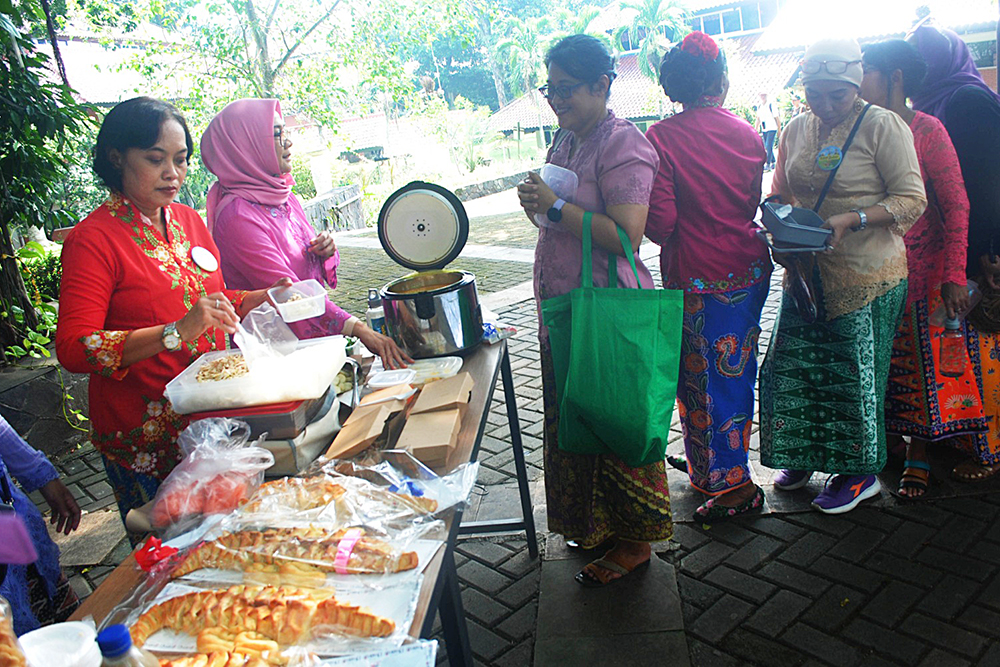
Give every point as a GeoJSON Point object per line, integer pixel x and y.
{"type": "Point", "coordinates": [563, 92]}
{"type": "Point", "coordinates": [831, 66]}
{"type": "Point", "coordinates": [281, 136]}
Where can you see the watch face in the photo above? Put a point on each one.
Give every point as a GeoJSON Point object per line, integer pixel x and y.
{"type": "Point", "coordinates": [554, 214]}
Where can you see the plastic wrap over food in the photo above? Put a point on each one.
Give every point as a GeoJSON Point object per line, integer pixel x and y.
{"type": "Point", "coordinates": [10, 651]}
{"type": "Point", "coordinates": [220, 470]}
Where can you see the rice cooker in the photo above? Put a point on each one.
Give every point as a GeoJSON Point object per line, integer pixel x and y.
{"type": "Point", "coordinates": [432, 312]}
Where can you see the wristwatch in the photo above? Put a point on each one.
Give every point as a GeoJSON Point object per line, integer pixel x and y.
{"type": "Point", "coordinates": [864, 220]}
{"type": "Point", "coordinates": [171, 339]}
{"type": "Point", "coordinates": [555, 213]}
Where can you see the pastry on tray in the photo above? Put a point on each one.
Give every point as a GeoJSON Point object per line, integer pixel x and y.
{"type": "Point", "coordinates": [301, 556]}
{"type": "Point", "coordinates": [258, 619]}
{"type": "Point", "coordinates": [306, 493]}
{"type": "Point", "coordinates": [216, 659]}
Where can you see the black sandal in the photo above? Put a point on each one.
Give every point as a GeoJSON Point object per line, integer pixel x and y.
{"type": "Point", "coordinates": [678, 463]}
{"type": "Point", "coordinates": [587, 579]}
{"type": "Point", "coordinates": [916, 474]}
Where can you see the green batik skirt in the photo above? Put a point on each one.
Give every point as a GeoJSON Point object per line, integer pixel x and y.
{"type": "Point", "coordinates": [823, 388]}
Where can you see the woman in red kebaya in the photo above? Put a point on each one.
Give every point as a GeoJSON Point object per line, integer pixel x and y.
{"type": "Point", "coordinates": [142, 295]}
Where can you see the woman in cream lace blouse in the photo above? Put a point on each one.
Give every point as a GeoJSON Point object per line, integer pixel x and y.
{"type": "Point", "coordinates": [822, 384]}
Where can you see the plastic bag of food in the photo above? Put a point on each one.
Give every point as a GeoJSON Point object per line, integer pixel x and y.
{"type": "Point", "coordinates": [10, 651]}
{"type": "Point", "coordinates": [219, 471]}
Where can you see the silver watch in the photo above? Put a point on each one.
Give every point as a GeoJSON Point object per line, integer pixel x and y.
{"type": "Point", "coordinates": [171, 339]}
{"type": "Point", "coordinates": [864, 220]}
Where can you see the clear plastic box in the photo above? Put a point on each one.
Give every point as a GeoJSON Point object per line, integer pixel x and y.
{"type": "Point", "coordinates": [439, 368]}
{"type": "Point", "coordinates": [305, 373]}
{"type": "Point", "coordinates": [300, 301]}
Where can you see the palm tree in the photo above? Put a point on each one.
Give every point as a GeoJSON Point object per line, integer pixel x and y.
{"type": "Point", "coordinates": [524, 49]}
{"type": "Point", "coordinates": [653, 20]}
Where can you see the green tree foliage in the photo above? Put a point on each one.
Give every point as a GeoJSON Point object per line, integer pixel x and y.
{"type": "Point", "coordinates": [655, 23]}
{"type": "Point", "coordinates": [38, 119]}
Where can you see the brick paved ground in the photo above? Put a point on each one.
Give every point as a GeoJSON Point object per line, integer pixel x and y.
{"type": "Point", "coordinates": [890, 583]}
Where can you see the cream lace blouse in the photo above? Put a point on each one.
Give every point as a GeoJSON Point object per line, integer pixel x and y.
{"type": "Point", "coordinates": [880, 168]}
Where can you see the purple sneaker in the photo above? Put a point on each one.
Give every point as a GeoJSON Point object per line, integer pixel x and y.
{"type": "Point", "coordinates": [844, 492]}
{"type": "Point", "coordinates": [789, 480]}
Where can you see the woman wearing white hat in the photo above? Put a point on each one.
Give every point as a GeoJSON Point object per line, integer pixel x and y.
{"type": "Point", "coordinates": [823, 382]}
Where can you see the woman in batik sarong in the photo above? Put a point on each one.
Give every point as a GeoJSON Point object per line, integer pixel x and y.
{"type": "Point", "coordinates": [921, 402]}
{"type": "Point", "coordinates": [701, 213]}
{"type": "Point", "coordinates": [593, 499]}
{"type": "Point", "coordinates": [955, 93]}
{"type": "Point", "coordinates": [823, 383]}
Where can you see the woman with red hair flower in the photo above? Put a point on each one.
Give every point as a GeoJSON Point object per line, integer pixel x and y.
{"type": "Point", "coordinates": [701, 213]}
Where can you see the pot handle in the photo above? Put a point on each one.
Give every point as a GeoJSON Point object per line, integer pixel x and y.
{"type": "Point", "coordinates": [425, 306]}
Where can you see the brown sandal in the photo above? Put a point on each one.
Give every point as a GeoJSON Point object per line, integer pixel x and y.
{"type": "Point", "coordinates": [973, 471]}
{"type": "Point", "coordinates": [587, 576]}
{"type": "Point", "coordinates": [916, 475]}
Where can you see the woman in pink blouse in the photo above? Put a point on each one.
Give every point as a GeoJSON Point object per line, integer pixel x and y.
{"type": "Point", "coordinates": [259, 225]}
{"type": "Point", "coordinates": [701, 213]}
{"type": "Point", "coordinates": [593, 499]}
{"type": "Point", "coordinates": [922, 403]}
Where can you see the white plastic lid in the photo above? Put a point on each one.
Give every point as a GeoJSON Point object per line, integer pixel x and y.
{"type": "Point", "coordinates": [435, 369]}
{"type": "Point", "coordinates": [384, 379]}
{"type": "Point", "coordinates": [423, 226]}
{"type": "Point", "coordinates": [72, 644]}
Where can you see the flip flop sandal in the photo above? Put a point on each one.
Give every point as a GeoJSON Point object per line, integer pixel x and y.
{"type": "Point", "coordinates": [587, 578]}
{"type": "Point", "coordinates": [678, 463]}
{"type": "Point", "coordinates": [916, 474]}
{"type": "Point", "coordinates": [712, 511]}
{"type": "Point", "coordinates": [981, 472]}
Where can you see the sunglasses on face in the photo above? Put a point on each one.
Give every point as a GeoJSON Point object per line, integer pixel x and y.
{"type": "Point", "coordinates": [831, 66]}
{"type": "Point", "coordinates": [564, 92]}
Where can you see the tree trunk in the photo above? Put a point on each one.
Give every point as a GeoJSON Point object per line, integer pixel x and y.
{"type": "Point", "coordinates": [485, 28]}
{"type": "Point", "coordinates": [266, 86]}
{"type": "Point", "coordinates": [12, 293]}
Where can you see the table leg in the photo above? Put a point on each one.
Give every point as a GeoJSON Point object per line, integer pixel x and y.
{"type": "Point", "coordinates": [453, 624]}
{"type": "Point", "coordinates": [510, 399]}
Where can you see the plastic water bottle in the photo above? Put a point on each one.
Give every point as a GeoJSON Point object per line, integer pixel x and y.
{"type": "Point", "coordinates": [952, 355]}
{"type": "Point", "coordinates": [938, 317]}
{"type": "Point", "coordinates": [116, 648]}
{"type": "Point", "coordinates": [375, 315]}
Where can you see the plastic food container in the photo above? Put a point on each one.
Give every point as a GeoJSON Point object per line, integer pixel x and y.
{"type": "Point", "coordinates": [71, 644]}
{"type": "Point", "coordinates": [384, 379]}
{"type": "Point", "coordinates": [428, 370]}
{"type": "Point", "coordinates": [303, 374]}
{"type": "Point", "coordinates": [300, 301]}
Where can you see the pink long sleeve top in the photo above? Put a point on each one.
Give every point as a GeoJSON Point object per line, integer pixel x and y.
{"type": "Point", "coordinates": [704, 199]}
{"type": "Point", "coordinates": [261, 244]}
{"type": "Point", "coordinates": [936, 245]}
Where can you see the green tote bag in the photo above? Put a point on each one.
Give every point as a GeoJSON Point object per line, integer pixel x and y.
{"type": "Point", "coordinates": [616, 357]}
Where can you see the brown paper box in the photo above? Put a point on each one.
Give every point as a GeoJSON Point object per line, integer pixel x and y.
{"type": "Point", "coordinates": [388, 392]}
{"type": "Point", "coordinates": [430, 436]}
{"type": "Point", "coordinates": [360, 430]}
{"type": "Point", "coordinates": [444, 394]}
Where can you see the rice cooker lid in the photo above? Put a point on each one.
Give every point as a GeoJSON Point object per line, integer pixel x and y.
{"type": "Point", "coordinates": [423, 226]}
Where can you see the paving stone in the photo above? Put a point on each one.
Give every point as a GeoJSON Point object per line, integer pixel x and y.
{"type": "Point", "coordinates": [824, 523]}
{"type": "Point", "coordinates": [690, 613]}
{"type": "Point", "coordinates": [951, 595]}
{"type": "Point", "coordinates": [720, 618]}
{"type": "Point", "coordinates": [992, 656]}
{"type": "Point", "coordinates": [908, 539]}
{"type": "Point", "coordinates": [834, 607]}
{"type": "Point", "coordinates": [522, 590]}
{"type": "Point", "coordinates": [778, 613]}
{"type": "Point", "coordinates": [705, 558]}
{"type": "Point", "coordinates": [483, 608]}
{"type": "Point", "coordinates": [922, 513]}
{"type": "Point", "coordinates": [892, 603]}
{"type": "Point", "coordinates": [486, 643]}
{"type": "Point", "coordinates": [490, 553]}
{"type": "Point", "coordinates": [520, 564]}
{"type": "Point", "coordinates": [775, 526]}
{"type": "Point", "coordinates": [903, 569]}
{"type": "Point", "coordinates": [482, 577]}
{"type": "Point", "coordinates": [981, 620]}
{"type": "Point", "coordinates": [805, 550]}
{"type": "Point", "coordinates": [521, 623]}
{"type": "Point", "coordinates": [697, 593]}
{"type": "Point", "coordinates": [689, 538]}
{"type": "Point", "coordinates": [653, 648]}
{"type": "Point", "coordinates": [519, 656]}
{"type": "Point", "coordinates": [789, 577]}
{"type": "Point", "coordinates": [703, 655]}
{"type": "Point", "coordinates": [828, 649]}
{"type": "Point", "coordinates": [729, 532]}
{"type": "Point", "coordinates": [752, 649]}
{"type": "Point", "coordinates": [991, 596]}
{"type": "Point", "coordinates": [80, 586]}
{"type": "Point", "coordinates": [948, 561]}
{"type": "Point", "coordinates": [938, 658]}
{"type": "Point", "coordinates": [874, 518]}
{"type": "Point", "coordinates": [845, 573]}
{"type": "Point", "coordinates": [739, 584]}
{"type": "Point", "coordinates": [857, 544]}
{"type": "Point", "coordinates": [754, 553]}
{"type": "Point", "coordinates": [943, 635]}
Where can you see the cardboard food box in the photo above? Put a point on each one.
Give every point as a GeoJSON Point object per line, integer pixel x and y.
{"type": "Point", "coordinates": [431, 436]}
{"type": "Point", "coordinates": [361, 429]}
{"type": "Point", "coordinates": [444, 394]}
{"type": "Point", "coordinates": [388, 396]}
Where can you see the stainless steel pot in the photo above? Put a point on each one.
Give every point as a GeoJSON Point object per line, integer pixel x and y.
{"type": "Point", "coordinates": [433, 313]}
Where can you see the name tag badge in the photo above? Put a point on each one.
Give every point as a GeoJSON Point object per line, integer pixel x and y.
{"type": "Point", "coordinates": [204, 258]}
{"type": "Point", "coordinates": [829, 158]}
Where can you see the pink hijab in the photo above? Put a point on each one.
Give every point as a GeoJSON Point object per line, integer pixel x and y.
{"type": "Point", "coordinates": [238, 147]}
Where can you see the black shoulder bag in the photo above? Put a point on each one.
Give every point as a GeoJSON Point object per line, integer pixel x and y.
{"type": "Point", "coordinates": [800, 276]}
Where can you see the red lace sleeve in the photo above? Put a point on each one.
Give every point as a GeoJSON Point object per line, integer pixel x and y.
{"type": "Point", "coordinates": [944, 175]}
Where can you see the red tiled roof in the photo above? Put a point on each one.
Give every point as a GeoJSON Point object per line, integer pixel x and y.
{"type": "Point", "coordinates": [752, 73]}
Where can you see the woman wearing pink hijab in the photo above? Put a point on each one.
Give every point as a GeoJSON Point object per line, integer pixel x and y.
{"type": "Point", "coordinates": [259, 225]}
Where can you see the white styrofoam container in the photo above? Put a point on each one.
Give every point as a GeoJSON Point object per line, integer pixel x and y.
{"type": "Point", "coordinates": [71, 644]}
{"type": "Point", "coordinates": [305, 373]}
{"type": "Point", "coordinates": [312, 303]}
